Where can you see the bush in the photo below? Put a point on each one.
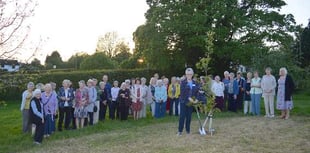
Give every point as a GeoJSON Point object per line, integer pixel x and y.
{"type": "Point", "coordinates": [12, 86]}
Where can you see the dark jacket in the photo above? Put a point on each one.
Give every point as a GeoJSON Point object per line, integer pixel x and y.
{"type": "Point", "coordinates": [61, 93]}
{"type": "Point", "coordinates": [289, 88]}
{"type": "Point", "coordinates": [33, 117]}
{"type": "Point", "coordinates": [187, 92]}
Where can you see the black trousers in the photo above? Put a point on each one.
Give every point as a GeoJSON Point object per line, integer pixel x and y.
{"type": "Point", "coordinates": [112, 109]}
{"type": "Point", "coordinates": [123, 111]}
{"type": "Point", "coordinates": [232, 106]}
{"type": "Point", "coordinates": [91, 118]}
{"type": "Point", "coordinates": [102, 111]}
{"type": "Point", "coordinates": [38, 136]}
{"type": "Point", "coordinates": [65, 113]}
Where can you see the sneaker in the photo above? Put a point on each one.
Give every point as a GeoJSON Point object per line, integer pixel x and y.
{"type": "Point", "coordinates": [266, 116]}
{"type": "Point", "coordinates": [271, 116]}
{"type": "Point", "coordinates": [179, 133]}
{"type": "Point", "coordinates": [37, 143]}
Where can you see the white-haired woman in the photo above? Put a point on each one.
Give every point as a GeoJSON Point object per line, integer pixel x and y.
{"type": "Point", "coordinates": [152, 87]}
{"type": "Point", "coordinates": [50, 104]}
{"type": "Point", "coordinates": [286, 87]}
{"type": "Point", "coordinates": [37, 116]}
{"type": "Point", "coordinates": [65, 96]}
{"type": "Point", "coordinates": [81, 101]}
{"type": "Point", "coordinates": [145, 93]}
{"type": "Point", "coordinates": [268, 86]}
{"type": "Point", "coordinates": [160, 99]}
{"type": "Point", "coordinates": [92, 93]}
{"type": "Point", "coordinates": [124, 101]}
{"type": "Point", "coordinates": [189, 89]}
{"type": "Point", "coordinates": [25, 106]}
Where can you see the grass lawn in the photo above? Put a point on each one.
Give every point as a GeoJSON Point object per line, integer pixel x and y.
{"type": "Point", "coordinates": [234, 133]}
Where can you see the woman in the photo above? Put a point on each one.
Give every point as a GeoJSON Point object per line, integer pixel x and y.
{"type": "Point", "coordinates": [37, 116]}
{"type": "Point", "coordinates": [114, 94]}
{"type": "Point", "coordinates": [65, 97]}
{"type": "Point", "coordinates": [233, 91]}
{"type": "Point", "coordinates": [152, 87]}
{"type": "Point", "coordinates": [247, 108]}
{"type": "Point", "coordinates": [160, 99]}
{"type": "Point", "coordinates": [103, 102]}
{"type": "Point", "coordinates": [50, 105]}
{"type": "Point", "coordinates": [240, 96]}
{"type": "Point", "coordinates": [25, 106]}
{"type": "Point", "coordinates": [174, 93]}
{"type": "Point", "coordinates": [124, 101]}
{"type": "Point", "coordinates": [189, 89]}
{"type": "Point", "coordinates": [268, 86]}
{"type": "Point", "coordinates": [92, 93]}
{"type": "Point", "coordinates": [145, 93]}
{"type": "Point", "coordinates": [286, 87]}
{"type": "Point", "coordinates": [256, 93]}
{"type": "Point", "coordinates": [81, 101]}
{"type": "Point", "coordinates": [226, 82]}
{"type": "Point", "coordinates": [136, 96]}
{"type": "Point", "coordinates": [218, 90]}
{"type": "Point", "coordinates": [202, 94]}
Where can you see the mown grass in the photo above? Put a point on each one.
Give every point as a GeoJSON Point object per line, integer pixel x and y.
{"type": "Point", "coordinates": [12, 139]}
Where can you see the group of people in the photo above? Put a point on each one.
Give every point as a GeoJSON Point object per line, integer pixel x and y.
{"type": "Point", "coordinates": [42, 104]}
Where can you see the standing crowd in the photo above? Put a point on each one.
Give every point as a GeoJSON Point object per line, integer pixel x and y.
{"type": "Point", "coordinates": [73, 108]}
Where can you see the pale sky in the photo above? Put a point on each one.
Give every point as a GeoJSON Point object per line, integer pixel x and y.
{"type": "Point", "coordinates": [71, 26]}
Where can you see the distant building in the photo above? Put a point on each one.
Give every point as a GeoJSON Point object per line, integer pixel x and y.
{"type": "Point", "coordinates": [9, 65]}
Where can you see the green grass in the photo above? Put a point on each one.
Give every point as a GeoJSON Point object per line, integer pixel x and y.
{"type": "Point", "coordinates": [12, 139]}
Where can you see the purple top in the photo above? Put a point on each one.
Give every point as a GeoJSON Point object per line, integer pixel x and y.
{"type": "Point", "coordinates": [49, 103]}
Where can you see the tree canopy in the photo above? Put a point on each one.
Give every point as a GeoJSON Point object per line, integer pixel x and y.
{"type": "Point", "coordinates": [176, 31]}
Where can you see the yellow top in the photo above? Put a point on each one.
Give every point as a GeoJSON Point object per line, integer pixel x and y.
{"type": "Point", "coordinates": [27, 102]}
{"type": "Point", "coordinates": [177, 91]}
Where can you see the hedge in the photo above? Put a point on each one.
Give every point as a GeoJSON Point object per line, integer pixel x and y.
{"type": "Point", "coordinates": [12, 85]}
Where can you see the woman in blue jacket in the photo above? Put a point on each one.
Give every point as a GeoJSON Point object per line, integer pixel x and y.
{"type": "Point", "coordinates": [189, 89]}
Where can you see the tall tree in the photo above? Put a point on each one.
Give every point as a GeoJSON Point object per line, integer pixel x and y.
{"type": "Point", "coordinates": [305, 46]}
{"type": "Point", "coordinates": [98, 60]}
{"type": "Point", "coordinates": [123, 52]}
{"type": "Point", "coordinates": [175, 32]}
{"type": "Point", "coordinates": [13, 26]}
{"type": "Point", "coordinates": [76, 60]}
{"type": "Point", "coordinates": [54, 60]}
{"type": "Point", "coordinates": [107, 44]}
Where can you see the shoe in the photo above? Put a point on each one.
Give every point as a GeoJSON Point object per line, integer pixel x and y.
{"type": "Point", "coordinates": [266, 116]}
{"type": "Point", "coordinates": [271, 116]}
{"type": "Point", "coordinates": [37, 143]}
{"type": "Point", "coordinates": [179, 134]}
{"type": "Point", "coordinates": [188, 132]}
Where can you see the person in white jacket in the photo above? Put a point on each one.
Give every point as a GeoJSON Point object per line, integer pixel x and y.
{"type": "Point", "coordinates": [268, 86]}
{"type": "Point", "coordinates": [25, 106]}
{"type": "Point", "coordinates": [218, 90]}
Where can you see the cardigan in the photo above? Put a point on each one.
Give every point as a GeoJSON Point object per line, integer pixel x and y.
{"type": "Point", "coordinates": [289, 88]}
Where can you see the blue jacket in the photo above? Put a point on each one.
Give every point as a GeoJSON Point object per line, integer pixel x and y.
{"type": "Point", "coordinates": [235, 87]}
{"type": "Point", "coordinates": [187, 91]}
{"type": "Point", "coordinates": [61, 93]}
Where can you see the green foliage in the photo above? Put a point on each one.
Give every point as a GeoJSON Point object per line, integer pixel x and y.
{"type": "Point", "coordinates": [53, 59]}
{"type": "Point", "coordinates": [175, 32]}
{"type": "Point", "coordinates": [97, 61]}
{"type": "Point", "coordinates": [76, 60]}
{"type": "Point", "coordinates": [12, 85]}
{"type": "Point", "coordinates": [305, 46]}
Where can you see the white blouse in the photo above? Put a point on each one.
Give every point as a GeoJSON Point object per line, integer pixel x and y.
{"type": "Point", "coordinates": [218, 88]}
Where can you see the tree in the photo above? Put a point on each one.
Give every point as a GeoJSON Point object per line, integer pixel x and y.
{"type": "Point", "coordinates": [13, 26]}
{"type": "Point", "coordinates": [76, 60]}
{"type": "Point", "coordinates": [107, 44]}
{"type": "Point", "coordinates": [122, 49]}
{"type": "Point", "coordinates": [175, 32]}
{"type": "Point", "coordinates": [54, 60]}
{"type": "Point", "coordinates": [98, 60]}
{"type": "Point", "coordinates": [305, 46]}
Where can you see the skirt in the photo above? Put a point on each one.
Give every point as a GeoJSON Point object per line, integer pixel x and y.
{"type": "Point", "coordinates": [136, 106]}
{"type": "Point", "coordinates": [80, 112]}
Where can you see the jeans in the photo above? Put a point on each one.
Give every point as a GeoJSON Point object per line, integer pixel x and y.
{"type": "Point", "coordinates": [160, 109]}
{"type": "Point", "coordinates": [176, 106]}
{"type": "Point", "coordinates": [185, 116]}
{"type": "Point", "coordinates": [255, 100]}
{"type": "Point", "coordinates": [64, 113]}
{"type": "Point", "coordinates": [48, 124]}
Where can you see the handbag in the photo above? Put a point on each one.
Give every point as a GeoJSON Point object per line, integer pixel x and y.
{"type": "Point", "coordinates": [95, 108]}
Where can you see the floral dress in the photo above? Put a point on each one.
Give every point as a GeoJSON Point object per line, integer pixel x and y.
{"type": "Point", "coordinates": [281, 103]}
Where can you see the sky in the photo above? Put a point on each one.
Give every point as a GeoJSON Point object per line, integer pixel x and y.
{"type": "Point", "coordinates": [72, 26]}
